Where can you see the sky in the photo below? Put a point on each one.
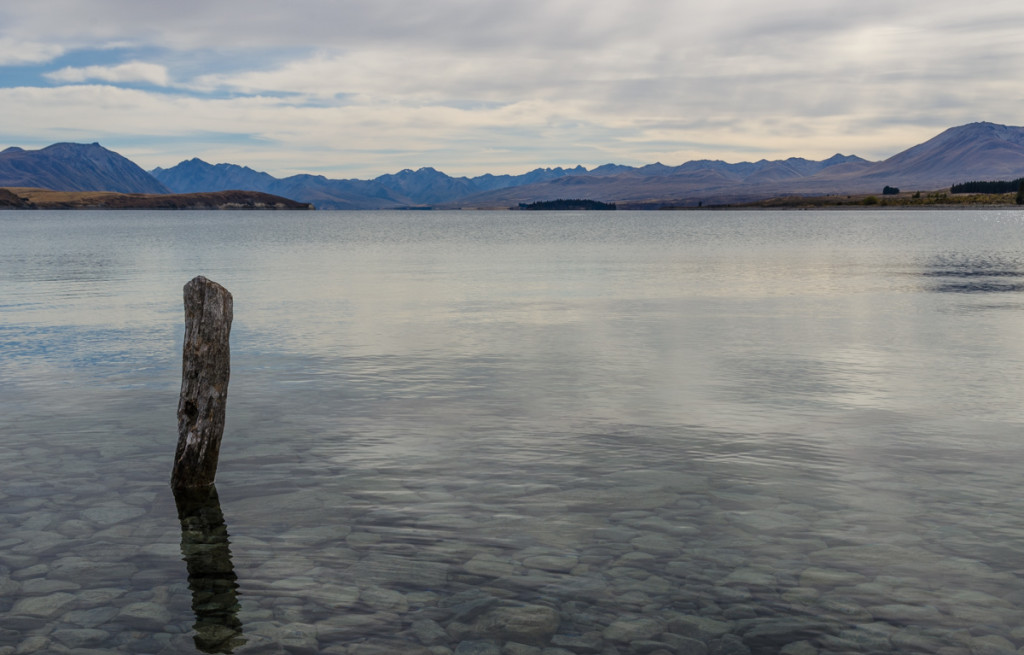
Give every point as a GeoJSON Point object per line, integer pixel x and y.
{"type": "Point", "coordinates": [360, 88]}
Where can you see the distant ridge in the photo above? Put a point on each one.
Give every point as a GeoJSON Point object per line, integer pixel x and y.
{"type": "Point", "coordinates": [429, 187]}
{"type": "Point", "coordinates": [407, 188]}
{"type": "Point", "coordinates": [75, 167]}
{"type": "Point", "coordinates": [976, 151]}
{"type": "Point", "coordinates": [196, 176]}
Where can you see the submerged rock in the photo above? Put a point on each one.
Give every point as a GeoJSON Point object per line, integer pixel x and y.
{"type": "Point", "coordinates": [590, 642]}
{"type": "Point", "coordinates": [477, 648]}
{"type": "Point", "coordinates": [112, 514]}
{"type": "Point", "coordinates": [728, 645]}
{"type": "Point", "coordinates": [697, 627]}
{"type": "Point", "coordinates": [76, 638]}
{"type": "Point", "coordinates": [145, 616]}
{"type": "Point", "coordinates": [530, 624]}
{"type": "Point", "coordinates": [90, 618]}
{"type": "Point", "coordinates": [384, 569]}
{"type": "Point", "coordinates": [383, 599]}
{"type": "Point", "coordinates": [633, 629]}
{"type": "Point", "coordinates": [488, 565]}
{"type": "Point", "coordinates": [44, 606]}
{"type": "Point", "coordinates": [555, 563]}
{"type": "Point", "coordinates": [428, 632]}
{"type": "Point", "coordinates": [684, 645]}
{"type": "Point", "coordinates": [299, 638]}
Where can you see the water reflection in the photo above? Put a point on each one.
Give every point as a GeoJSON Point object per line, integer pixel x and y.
{"type": "Point", "coordinates": [975, 274]}
{"type": "Point", "coordinates": [603, 444]}
{"type": "Point", "coordinates": [211, 575]}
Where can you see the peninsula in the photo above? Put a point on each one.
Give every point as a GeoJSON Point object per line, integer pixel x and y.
{"type": "Point", "coordinates": [33, 198]}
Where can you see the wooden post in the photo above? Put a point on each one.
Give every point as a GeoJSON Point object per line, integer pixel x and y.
{"type": "Point", "coordinates": [205, 369]}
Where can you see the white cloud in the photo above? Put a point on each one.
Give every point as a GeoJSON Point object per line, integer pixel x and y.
{"type": "Point", "coordinates": [476, 85]}
{"type": "Point", "coordinates": [271, 134]}
{"type": "Point", "coordinates": [15, 52]}
{"type": "Point", "coordinates": [133, 71]}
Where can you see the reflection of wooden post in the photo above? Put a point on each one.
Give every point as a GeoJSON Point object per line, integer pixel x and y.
{"type": "Point", "coordinates": [211, 575]}
{"type": "Point", "coordinates": [205, 369]}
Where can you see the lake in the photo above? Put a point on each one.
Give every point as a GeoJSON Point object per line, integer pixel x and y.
{"type": "Point", "coordinates": [519, 433]}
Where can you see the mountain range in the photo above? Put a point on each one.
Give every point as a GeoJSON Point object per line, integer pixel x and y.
{"type": "Point", "coordinates": [407, 188]}
{"type": "Point", "coordinates": [977, 151]}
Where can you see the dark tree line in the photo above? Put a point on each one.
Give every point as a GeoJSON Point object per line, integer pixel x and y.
{"type": "Point", "coordinates": [988, 187]}
{"type": "Point", "coordinates": [574, 205]}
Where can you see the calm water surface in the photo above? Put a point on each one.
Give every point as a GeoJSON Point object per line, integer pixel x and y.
{"type": "Point", "coordinates": [519, 433]}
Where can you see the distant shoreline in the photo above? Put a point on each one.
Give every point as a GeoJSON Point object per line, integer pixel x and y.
{"type": "Point", "coordinates": [34, 198]}
{"type": "Point", "coordinates": [941, 199]}
{"type": "Point", "coordinates": [26, 198]}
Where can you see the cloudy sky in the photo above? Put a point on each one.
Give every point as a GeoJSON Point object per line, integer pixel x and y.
{"type": "Point", "coordinates": [358, 88]}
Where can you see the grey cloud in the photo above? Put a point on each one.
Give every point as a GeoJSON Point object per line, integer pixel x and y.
{"type": "Point", "coordinates": [257, 24]}
{"type": "Point", "coordinates": [638, 73]}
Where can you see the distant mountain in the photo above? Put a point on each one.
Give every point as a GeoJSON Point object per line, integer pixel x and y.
{"type": "Point", "coordinates": [196, 176]}
{"type": "Point", "coordinates": [429, 187]}
{"type": "Point", "coordinates": [425, 186]}
{"type": "Point", "coordinates": [702, 181]}
{"type": "Point", "coordinates": [407, 188]}
{"type": "Point", "coordinates": [75, 167]}
{"type": "Point", "coordinates": [978, 151]}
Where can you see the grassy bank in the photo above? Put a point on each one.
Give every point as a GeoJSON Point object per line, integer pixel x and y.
{"type": "Point", "coordinates": [941, 198]}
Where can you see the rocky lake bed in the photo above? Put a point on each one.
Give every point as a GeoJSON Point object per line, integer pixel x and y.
{"type": "Point", "coordinates": [557, 433]}
{"type": "Point", "coordinates": [644, 560]}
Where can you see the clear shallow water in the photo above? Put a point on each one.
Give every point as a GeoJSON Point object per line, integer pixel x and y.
{"type": "Point", "coordinates": [693, 432]}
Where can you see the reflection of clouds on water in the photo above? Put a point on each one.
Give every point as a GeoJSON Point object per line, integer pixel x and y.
{"type": "Point", "coordinates": [839, 379]}
{"type": "Point", "coordinates": [975, 273]}
{"type": "Point", "coordinates": [68, 267]}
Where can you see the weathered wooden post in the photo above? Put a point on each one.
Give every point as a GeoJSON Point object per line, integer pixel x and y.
{"type": "Point", "coordinates": [205, 369]}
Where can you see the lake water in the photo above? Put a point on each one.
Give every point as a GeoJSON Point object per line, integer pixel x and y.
{"type": "Point", "coordinates": [519, 433]}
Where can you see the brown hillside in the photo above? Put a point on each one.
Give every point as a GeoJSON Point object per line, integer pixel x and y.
{"type": "Point", "coordinates": [31, 198]}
